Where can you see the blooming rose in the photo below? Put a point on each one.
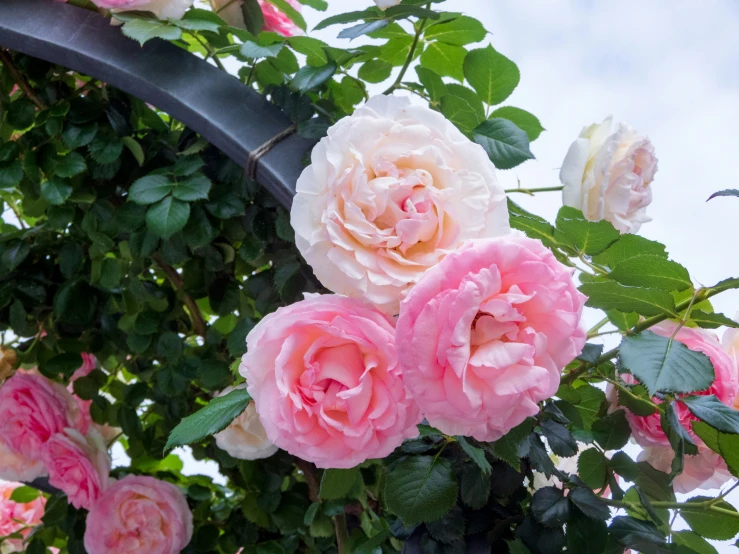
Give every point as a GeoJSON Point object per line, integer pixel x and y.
{"type": "Point", "coordinates": [705, 470]}
{"type": "Point", "coordinates": [607, 175]}
{"type": "Point", "coordinates": [17, 517]}
{"type": "Point", "coordinates": [274, 19]}
{"type": "Point", "coordinates": [391, 190]}
{"type": "Point", "coordinates": [139, 515]}
{"type": "Point", "coordinates": [484, 335]}
{"type": "Point", "coordinates": [245, 438]}
{"type": "Point", "coordinates": [730, 342]}
{"type": "Point", "coordinates": [16, 467]}
{"type": "Point", "coordinates": [32, 410]}
{"type": "Point", "coordinates": [163, 9]}
{"type": "Point", "coordinates": [325, 378]}
{"type": "Point", "coordinates": [79, 466]}
{"type": "Point", "coordinates": [385, 4]}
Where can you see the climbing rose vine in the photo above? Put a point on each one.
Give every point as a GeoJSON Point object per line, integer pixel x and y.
{"type": "Point", "coordinates": [402, 358]}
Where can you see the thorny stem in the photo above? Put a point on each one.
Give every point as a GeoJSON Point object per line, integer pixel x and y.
{"type": "Point", "coordinates": [531, 192]}
{"type": "Point", "coordinates": [706, 505]}
{"type": "Point", "coordinates": [409, 58]}
{"type": "Point", "coordinates": [21, 81]}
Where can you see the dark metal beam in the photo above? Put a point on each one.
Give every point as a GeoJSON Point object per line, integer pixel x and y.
{"type": "Point", "coordinates": [230, 115]}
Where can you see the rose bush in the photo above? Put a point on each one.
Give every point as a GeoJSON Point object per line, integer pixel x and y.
{"type": "Point", "coordinates": [445, 399]}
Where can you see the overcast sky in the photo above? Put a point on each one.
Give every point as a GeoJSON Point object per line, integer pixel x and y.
{"type": "Point", "coordinates": [670, 68]}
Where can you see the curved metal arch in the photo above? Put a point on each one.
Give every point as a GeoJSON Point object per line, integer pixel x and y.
{"type": "Point", "coordinates": [230, 115]}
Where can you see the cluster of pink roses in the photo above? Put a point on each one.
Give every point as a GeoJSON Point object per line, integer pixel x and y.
{"type": "Point", "coordinates": [400, 213]}
{"type": "Point", "coordinates": [17, 518]}
{"type": "Point", "coordinates": [46, 431]}
{"type": "Point", "coordinates": [706, 469]}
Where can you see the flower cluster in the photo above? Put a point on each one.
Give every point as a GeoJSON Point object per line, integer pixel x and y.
{"type": "Point", "coordinates": [402, 213]}
{"type": "Point", "coordinates": [46, 431]}
{"type": "Point", "coordinates": [17, 518]}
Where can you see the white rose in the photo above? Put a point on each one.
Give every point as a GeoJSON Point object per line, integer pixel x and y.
{"type": "Point", "coordinates": [163, 9]}
{"type": "Point", "coordinates": [607, 174]}
{"type": "Point", "coordinates": [385, 4]}
{"type": "Point", "coordinates": [245, 438]}
{"type": "Point", "coordinates": [390, 191]}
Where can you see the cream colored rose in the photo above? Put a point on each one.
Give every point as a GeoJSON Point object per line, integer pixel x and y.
{"type": "Point", "coordinates": [607, 175]}
{"type": "Point", "coordinates": [245, 438]}
{"type": "Point", "coordinates": [163, 9]}
{"type": "Point", "coordinates": [390, 191]}
{"type": "Point", "coordinates": [385, 4]}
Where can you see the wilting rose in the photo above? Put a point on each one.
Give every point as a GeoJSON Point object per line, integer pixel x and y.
{"type": "Point", "coordinates": [705, 470]}
{"type": "Point", "coordinates": [647, 430]}
{"type": "Point", "coordinates": [274, 19]}
{"type": "Point", "coordinates": [139, 515]}
{"type": "Point", "coordinates": [607, 175]}
{"type": "Point", "coordinates": [385, 4]}
{"type": "Point", "coordinates": [483, 337]}
{"type": "Point", "coordinates": [245, 438]}
{"type": "Point", "coordinates": [79, 466]}
{"type": "Point", "coordinates": [390, 191]}
{"type": "Point", "coordinates": [16, 517]}
{"type": "Point", "coordinates": [163, 9]}
{"type": "Point", "coordinates": [325, 378]}
{"type": "Point", "coordinates": [32, 410]}
{"type": "Point", "coordinates": [8, 359]}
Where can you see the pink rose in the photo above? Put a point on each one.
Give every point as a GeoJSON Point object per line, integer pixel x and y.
{"type": "Point", "coordinates": [325, 379]}
{"type": "Point", "coordinates": [705, 470]}
{"type": "Point", "coordinates": [32, 410]}
{"type": "Point", "coordinates": [607, 174]}
{"type": "Point", "coordinates": [16, 467]}
{"type": "Point", "coordinates": [274, 19]}
{"type": "Point", "coordinates": [17, 517]}
{"type": "Point", "coordinates": [483, 336]}
{"type": "Point", "coordinates": [390, 191]}
{"type": "Point", "coordinates": [647, 430]}
{"type": "Point", "coordinates": [730, 342]}
{"type": "Point", "coordinates": [139, 515]}
{"type": "Point", "coordinates": [79, 466]}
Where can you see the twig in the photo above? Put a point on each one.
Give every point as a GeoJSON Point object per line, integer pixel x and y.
{"type": "Point", "coordinates": [531, 192]}
{"type": "Point", "coordinates": [198, 321]}
{"type": "Point", "coordinates": [21, 81]}
{"type": "Point", "coordinates": [341, 533]}
{"type": "Point", "coordinates": [409, 58]}
{"type": "Point", "coordinates": [311, 478]}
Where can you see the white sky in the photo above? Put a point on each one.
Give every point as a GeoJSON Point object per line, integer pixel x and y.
{"type": "Point", "coordinates": [670, 68]}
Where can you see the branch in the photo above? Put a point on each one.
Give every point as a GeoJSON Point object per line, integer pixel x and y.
{"type": "Point", "coordinates": [21, 81]}
{"type": "Point", "coordinates": [408, 58]}
{"type": "Point", "coordinates": [311, 477]}
{"type": "Point", "coordinates": [341, 533]}
{"type": "Point", "coordinates": [198, 321]}
{"type": "Point", "coordinates": [531, 192]}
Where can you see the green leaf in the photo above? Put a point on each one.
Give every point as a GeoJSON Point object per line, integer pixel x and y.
{"type": "Point", "coordinates": [586, 535]}
{"type": "Point", "coordinates": [725, 192]}
{"type": "Point", "coordinates": [612, 431]}
{"type": "Point", "coordinates": [635, 533]}
{"type": "Point", "coordinates": [407, 9]}
{"type": "Point", "coordinates": [458, 31]}
{"type": "Point", "coordinates": [524, 120]}
{"type": "Point", "coordinates": [364, 28]}
{"type": "Point", "coordinates": [460, 112]}
{"type": "Point", "coordinates": [559, 438]}
{"type": "Point", "coordinates": [253, 50]}
{"type": "Point", "coordinates": [708, 434]}
{"type": "Point", "coordinates": [312, 48]}
{"type": "Point", "coordinates": [211, 419]}
{"type": "Point", "coordinates": [623, 465]}
{"type": "Point", "coordinates": [591, 468]}
{"type": "Point", "coordinates": [662, 364]}
{"type": "Point", "coordinates": [712, 320]}
{"type": "Point", "coordinates": [639, 404]}
{"type": "Point", "coordinates": [627, 247]}
{"type": "Point", "coordinates": [590, 237]}
{"type": "Point", "coordinates": [70, 165]}
{"type": "Point", "coordinates": [290, 12]}
{"type": "Point", "coordinates": [654, 483]}
{"type": "Point", "coordinates": [308, 78]}
{"type": "Point", "coordinates": [56, 191]}
{"type": "Point", "coordinates": [550, 507]}
{"type": "Point", "coordinates": [693, 541]}
{"type": "Point", "coordinates": [106, 148]}
{"type": "Point", "coordinates": [444, 59]}
{"type": "Point", "coordinates": [195, 188]}
{"type": "Point", "coordinates": [251, 10]}
{"type": "Point", "coordinates": [135, 148]}
{"type": "Point", "coordinates": [491, 74]}
{"type": "Point", "coordinates": [196, 19]}
{"type": "Point", "coordinates": [338, 483]}
{"type": "Point", "coordinates": [167, 216]}
{"type": "Point", "coordinates": [474, 487]}
{"type": "Point", "coordinates": [508, 447]}
{"type": "Point", "coordinates": [622, 320]}
{"type": "Point", "coordinates": [24, 495]}
{"type": "Point", "coordinates": [652, 272]}
{"type": "Point", "coordinates": [712, 525]}
{"type": "Point", "coordinates": [320, 5]}
{"type": "Point", "coordinates": [75, 136]}
{"type": "Point", "coordinates": [711, 410]}
{"type": "Point", "coordinates": [21, 114]}
{"type": "Point", "coordinates": [477, 455]}
{"type": "Point", "coordinates": [421, 488]}
{"type": "Point", "coordinates": [150, 189]}
{"type": "Point", "coordinates": [375, 71]}
{"type": "Point", "coordinates": [589, 504]}
{"type": "Point", "coordinates": [348, 17]}
{"type": "Point", "coordinates": [432, 82]}
{"type": "Point", "coordinates": [11, 174]}
{"type": "Point", "coordinates": [506, 145]}
{"type": "Point", "coordinates": [608, 295]}
{"type": "Point", "coordinates": [142, 30]}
